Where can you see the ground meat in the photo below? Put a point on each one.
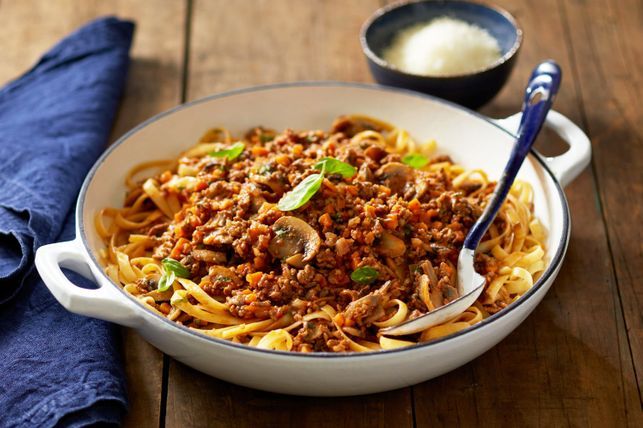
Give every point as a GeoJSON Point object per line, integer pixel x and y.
{"type": "Point", "coordinates": [146, 285]}
{"type": "Point", "coordinates": [388, 216]}
{"type": "Point", "coordinates": [306, 275]}
{"type": "Point", "coordinates": [343, 246]}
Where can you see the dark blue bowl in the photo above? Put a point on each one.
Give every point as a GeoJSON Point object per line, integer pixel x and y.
{"type": "Point", "coordinates": [471, 90]}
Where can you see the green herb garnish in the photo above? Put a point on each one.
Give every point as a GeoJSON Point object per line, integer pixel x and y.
{"type": "Point", "coordinates": [166, 281]}
{"type": "Point", "coordinates": [311, 184]}
{"type": "Point", "coordinates": [364, 275]}
{"type": "Point", "coordinates": [415, 160]}
{"type": "Point", "coordinates": [301, 193]}
{"type": "Point", "coordinates": [233, 152]}
{"type": "Point", "coordinates": [334, 166]}
{"type": "Point", "coordinates": [171, 269]}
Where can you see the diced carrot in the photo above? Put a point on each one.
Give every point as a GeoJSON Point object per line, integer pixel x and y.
{"type": "Point", "coordinates": [283, 160]}
{"type": "Point", "coordinates": [325, 220]}
{"type": "Point", "coordinates": [329, 147]}
{"type": "Point", "coordinates": [415, 206]}
{"type": "Point", "coordinates": [254, 278]}
{"type": "Point", "coordinates": [200, 185]}
{"type": "Point", "coordinates": [222, 205]}
{"type": "Point", "coordinates": [198, 235]}
{"type": "Point", "coordinates": [352, 190]}
{"type": "Point", "coordinates": [259, 151]}
{"type": "Point", "coordinates": [339, 319]}
{"type": "Point", "coordinates": [449, 270]}
{"type": "Point", "coordinates": [165, 308]}
{"type": "Point", "coordinates": [259, 262]}
{"type": "Point", "coordinates": [390, 221]}
{"type": "Point", "coordinates": [165, 176]}
{"type": "Point", "coordinates": [179, 248]}
{"type": "Point", "coordinates": [432, 213]}
{"type": "Point", "coordinates": [254, 232]}
{"type": "Point", "coordinates": [180, 232]}
{"type": "Point", "coordinates": [252, 297]}
{"type": "Point", "coordinates": [297, 149]}
{"type": "Point", "coordinates": [370, 210]}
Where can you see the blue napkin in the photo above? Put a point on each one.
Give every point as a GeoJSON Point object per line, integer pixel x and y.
{"type": "Point", "coordinates": [55, 367]}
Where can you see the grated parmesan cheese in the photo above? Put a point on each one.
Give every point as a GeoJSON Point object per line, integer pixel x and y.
{"type": "Point", "coordinates": [442, 47]}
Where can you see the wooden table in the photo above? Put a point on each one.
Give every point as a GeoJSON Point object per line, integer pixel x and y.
{"type": "Point", "coordinates": [577, 360]}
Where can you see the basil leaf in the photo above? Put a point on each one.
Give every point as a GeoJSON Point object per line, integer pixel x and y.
{"type": "Point", "coordinates": [166, 281]}
{"type": "Point", "coordinates": [334, 166]}
{"type": "Point", "coordinates": [171, 265]}
{"type": "Point", "coordinates": [171, 269]}
{"type": "Point", "coordinates": [233, 152]}
{"type": "Point", "coordinates": [415, 160]}
{"type": "Point", "coordinates": [364, 275]}
{"type": "Point", "coordinates": [301, 193]}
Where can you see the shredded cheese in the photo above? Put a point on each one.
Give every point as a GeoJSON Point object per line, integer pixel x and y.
{"type": "Point", "coordinates": [442, 47]}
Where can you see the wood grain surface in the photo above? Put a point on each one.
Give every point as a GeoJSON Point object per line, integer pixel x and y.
{"type": "Point", "coordinates": [576, 361]}
{"type": "Point", "coordinates": [609, 58]}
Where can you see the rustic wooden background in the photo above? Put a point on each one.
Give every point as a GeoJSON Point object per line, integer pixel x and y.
{"type": "Point", "coordinates": [576, 361]}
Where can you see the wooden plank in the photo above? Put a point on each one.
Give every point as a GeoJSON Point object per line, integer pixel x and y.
{"type": "Point", "coordinates": [263, 42]}
{"type": "Point", "coordinates": [607, 41]}
{"type": "Point", "coordinates": [565, 364]}
{"type": "Point", "coordinates": [196, 400]}
{"type": "Point", "coordinates": [27, 29]}
{"type": "Point", "coordinates": [254, 43]}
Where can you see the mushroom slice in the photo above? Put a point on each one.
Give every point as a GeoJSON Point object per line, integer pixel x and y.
{"type": "Point", "coordinates": [272, 181]}
{"type": "Point", "coordinates": [223, 273]}
{"type": "Point", "coordinates": [396, 176]}
{"type": "Point", "coordinates": [376, 152]}
{"type": "Point", "coordinates": [391, 245]}
{"type": "Point", "coordinates": [295, 241]}
{"type": "Point", "coordinates": [209, 256]}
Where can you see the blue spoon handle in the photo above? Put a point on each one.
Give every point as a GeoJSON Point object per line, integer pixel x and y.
{"type": "Point", "coordinates": [540, 93]}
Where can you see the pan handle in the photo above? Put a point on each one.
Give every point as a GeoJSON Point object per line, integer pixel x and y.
{"type": "Point", "coordinates": [104, 303]}
{"type": "Point", "coordinates": [569, 165]}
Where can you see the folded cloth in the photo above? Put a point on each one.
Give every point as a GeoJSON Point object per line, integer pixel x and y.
{"type": "Point", "coordinates": [56, 368]}
{"type": "Point", "coordinates": [54, 122]}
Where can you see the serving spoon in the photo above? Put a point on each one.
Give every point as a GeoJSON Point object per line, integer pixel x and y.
{"type": "Point", "coordinates": [539, 95]}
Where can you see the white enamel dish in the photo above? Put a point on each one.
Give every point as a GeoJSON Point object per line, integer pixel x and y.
{"type": "Point", "coordinates": [472, 140]}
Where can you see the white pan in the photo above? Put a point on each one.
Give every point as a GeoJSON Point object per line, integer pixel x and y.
{"type": "Point", "coordinates": [469, 138]}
